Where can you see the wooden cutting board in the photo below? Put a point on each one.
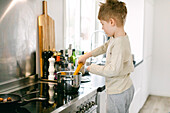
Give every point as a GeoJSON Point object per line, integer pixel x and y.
{"type": "Point", "coordinates": [46, 28]}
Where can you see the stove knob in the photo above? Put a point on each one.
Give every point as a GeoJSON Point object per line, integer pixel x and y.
{"type": "Point", "coordinates": [79, 109]}
{"type": "Point", "coordinates": [82, 107]}
{"type": "Point", "coordinates": [90, 104]}
{"type": "Point", "coordinates": [87, 106]}
{"type": "Point", "coordinates": [82, 111]}
{"type": "Point", "coordinates": [93, 103]}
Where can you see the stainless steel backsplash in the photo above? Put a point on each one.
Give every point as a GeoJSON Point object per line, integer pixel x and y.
{"type": "Point", "coordinates": [18, 37]}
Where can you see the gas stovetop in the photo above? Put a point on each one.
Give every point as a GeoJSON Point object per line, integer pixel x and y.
{"type": "Point", "coordinates": [55, 98]}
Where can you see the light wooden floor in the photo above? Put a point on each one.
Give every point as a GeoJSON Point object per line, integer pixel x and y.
{"type": "Point", "coordinates": [156, 104]}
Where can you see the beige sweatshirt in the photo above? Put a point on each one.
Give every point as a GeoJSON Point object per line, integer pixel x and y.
{"type": "Point", "coordinates": [118, 66]}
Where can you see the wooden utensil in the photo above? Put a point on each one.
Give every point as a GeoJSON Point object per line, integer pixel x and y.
{"type": "Point", "coordinates": [46, 34]}
{"type": "Point", "coordinates": [78, 68]}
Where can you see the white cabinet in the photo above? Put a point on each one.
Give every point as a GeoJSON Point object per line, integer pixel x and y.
{"type": "Point", "coordinates": [101, 101]}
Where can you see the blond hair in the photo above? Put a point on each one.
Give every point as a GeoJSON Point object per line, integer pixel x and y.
{"type": "Point", "coordinates": [113, 9]}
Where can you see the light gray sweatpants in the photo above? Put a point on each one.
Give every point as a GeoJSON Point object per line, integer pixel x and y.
{"type": "Point", "coordinates": [119, 103]}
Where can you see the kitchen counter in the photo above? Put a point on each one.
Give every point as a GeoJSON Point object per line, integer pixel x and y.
{"type": "Point", "coordinates": [59, 102]}
{"type": "Point", "coordinates": [95, 80]}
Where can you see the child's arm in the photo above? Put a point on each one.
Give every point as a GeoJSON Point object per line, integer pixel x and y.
{"type": "Point", "coordinates": [116, 65]}
{"type": "Point", "coordinates": [100, 50]}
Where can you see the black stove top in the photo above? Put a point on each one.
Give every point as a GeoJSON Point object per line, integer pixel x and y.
{"type": "Point", "coordinates": [55, 98]}
{"type": "Point", "coordinates": [17, 110]}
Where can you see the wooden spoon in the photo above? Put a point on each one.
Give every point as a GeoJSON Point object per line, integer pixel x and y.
{"type": "Point", "coordinates": [78, 69]}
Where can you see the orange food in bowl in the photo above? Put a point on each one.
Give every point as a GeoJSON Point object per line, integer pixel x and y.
{"type": "Point", "coordinates": [63, 73]}
{"type": "Point", "coordinates": [1, 99]}
{"type": "Point", "coordinates": [9, 99]}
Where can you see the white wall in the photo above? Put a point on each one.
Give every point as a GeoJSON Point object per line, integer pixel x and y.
{"type": "Point", "coordinates": [160, 81]}
{"type": "Point", "coordinates": [134, 27]}
{"type": "Point", "coordinates": [141, 75]}
{"type": "Point", "coordinates": [56, 11]}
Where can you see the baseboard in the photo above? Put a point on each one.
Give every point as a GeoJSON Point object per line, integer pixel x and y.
{"type": "Point", "coordinates": [160, 93]}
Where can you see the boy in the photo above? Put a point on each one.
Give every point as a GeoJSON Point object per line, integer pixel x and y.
{"type": "Point", "coordinates": [119, 62]}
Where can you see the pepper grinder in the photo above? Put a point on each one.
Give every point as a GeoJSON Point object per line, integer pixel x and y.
{"type": "Point", "coordinates": [45, 65]}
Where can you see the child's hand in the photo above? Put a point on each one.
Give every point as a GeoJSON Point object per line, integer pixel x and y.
{"type": "Point", "coordinates": [88, 68]}
{"type": "Point", "coordinates": [82, 59]}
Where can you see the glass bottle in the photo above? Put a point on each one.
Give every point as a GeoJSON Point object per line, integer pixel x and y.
{"type": "Point", "coordinates": [73, 57]}
{"type": "Point", "coordinates": [69, 52]}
